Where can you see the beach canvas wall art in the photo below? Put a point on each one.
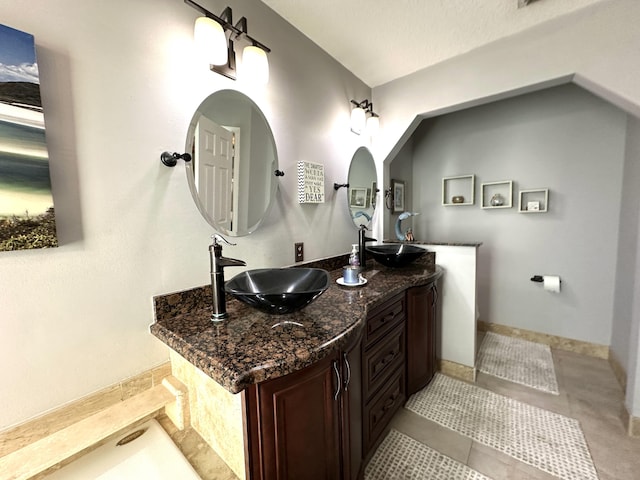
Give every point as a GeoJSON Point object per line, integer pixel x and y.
{"type": "Point", "coordinates": [27, 218]}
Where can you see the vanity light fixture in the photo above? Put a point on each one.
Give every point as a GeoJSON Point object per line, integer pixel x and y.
{"type": "Point", "coordinates": [359, 120]}
{"type": "Point", "coordinates": [210, 36]}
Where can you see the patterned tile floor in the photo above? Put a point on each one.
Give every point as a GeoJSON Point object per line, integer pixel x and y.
{"type": "Point", "coordinates": [589, 393]}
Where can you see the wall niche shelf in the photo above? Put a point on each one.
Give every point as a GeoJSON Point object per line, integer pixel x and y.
{"type": "Point", "coordinates": [534, 200]}
{"type": "Point", "coordinates": [458, 191]}
{"type": "Point", "coordinates": [502, 189]}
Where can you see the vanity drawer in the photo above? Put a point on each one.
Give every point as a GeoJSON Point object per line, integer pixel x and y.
{"type": "Point", "coordinates": [384, 318]}
{"type": "Point", "coordinates": [379, 411]}
{"type": "Point", "coordinates": [385, 357]}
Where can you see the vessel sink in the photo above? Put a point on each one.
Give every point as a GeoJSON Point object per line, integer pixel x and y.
{"type": "Point", "coordinates": [279, 290]}
{"type": "Point", "coordinates": [395, 254]}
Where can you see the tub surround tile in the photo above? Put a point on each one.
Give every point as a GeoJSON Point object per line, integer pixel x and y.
{"type": "Point", "coordinates": [82, 436]}
{"type": "Point", "coordinates": [216, 414]}
{"type": "Point", "coordinates": [200, 455]}
{"type": "Point", "coordinates": [561, 343]}
{"type": "Point", "coordinates": [251, 346]}
{"type": "Point", "coordinates": [17, 437]}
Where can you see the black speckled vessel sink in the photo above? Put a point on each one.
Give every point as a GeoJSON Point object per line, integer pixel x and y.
{"type": "Point", "coordinates": [279, 290]}
{"type": "Point", "coordinates": [395, 254]}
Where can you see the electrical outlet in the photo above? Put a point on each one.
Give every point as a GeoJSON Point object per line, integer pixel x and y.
{"type": "Point", "coordinates": [299, 256]}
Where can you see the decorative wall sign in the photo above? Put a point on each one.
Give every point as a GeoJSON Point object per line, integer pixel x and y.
{"type": "Point", "coordinates": [310, 182]}
{"type": "Point", "coordinates": [27, 218]}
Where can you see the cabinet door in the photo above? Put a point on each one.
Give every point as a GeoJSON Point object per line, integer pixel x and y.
{"type": "Point", "coordinates": [421, 336]}
{"type": "Point", "coordinates": [299, 424]}
{"type": "Point", "coordinates": [352, 412]}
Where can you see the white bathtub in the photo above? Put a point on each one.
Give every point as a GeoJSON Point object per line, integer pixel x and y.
{"type": "Point", "coordinates": [152, 455]}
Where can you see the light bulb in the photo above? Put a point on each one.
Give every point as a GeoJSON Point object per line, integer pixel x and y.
{"type": "Point", "coordinates": [210, 41]}
{"type": "Point", "coordinates": [373, 124]}
{"type": "Point", "coordinates": [255, 65]}
{"type": "Point", "coordinates": [358, 119]}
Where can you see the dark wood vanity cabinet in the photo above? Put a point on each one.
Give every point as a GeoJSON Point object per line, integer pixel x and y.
{"type": "Point", "coordinates": [421, 336]}
{"type": "Point", "coordinates": [383, 368]}
{"type": "Point", "coordinates": [323, 422]}
{"type": "Point", "coordinates": [301, 425]}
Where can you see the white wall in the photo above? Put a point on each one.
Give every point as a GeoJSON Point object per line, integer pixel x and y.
{"type": "Point", "coordinates": [564, 139]}
{"type": "Point", "coordinates": [119, 86]}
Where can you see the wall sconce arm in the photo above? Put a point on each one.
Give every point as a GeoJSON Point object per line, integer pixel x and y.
{"type": "Point", "coordinates": [337, 186]}
{"type": "Point", "coordinates": [171, 159]}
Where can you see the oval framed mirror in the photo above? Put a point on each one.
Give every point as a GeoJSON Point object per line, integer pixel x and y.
{"type": "Point", "coordinates": [234, 159]}
{"type": "Point", "coordinates": [363, 187]}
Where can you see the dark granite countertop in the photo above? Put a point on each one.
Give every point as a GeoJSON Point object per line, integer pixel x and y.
{"type": "Point", "coordinates": [251, 346]}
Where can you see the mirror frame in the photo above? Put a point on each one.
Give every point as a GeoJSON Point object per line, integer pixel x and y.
{"type": "Point", "coordinates": [190, 166]}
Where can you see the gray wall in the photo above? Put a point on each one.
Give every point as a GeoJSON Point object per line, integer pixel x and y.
{"type": "Point", "coordinates": [564, 139]}
{"type": "Point", "coordinates": [626, 318]}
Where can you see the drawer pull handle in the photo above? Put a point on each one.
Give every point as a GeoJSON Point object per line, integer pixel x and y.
{"type": "Point", "coordinates": [348, 367]}
{"type": "Point", "coordinates": [384, 362]}
{"type": "Point", "coordinates": [338, 380]}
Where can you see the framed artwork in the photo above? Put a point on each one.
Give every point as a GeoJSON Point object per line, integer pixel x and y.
{"type": "Point", "coordinates": [27, 219]}
{"type": "Point", "coordinates": [397, 187]}
{"type": "Point", "coordinates": [358, 198]}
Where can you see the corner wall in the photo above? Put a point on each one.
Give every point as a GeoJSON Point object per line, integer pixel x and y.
{"type": "Point", "coordinates": [625, 336]}
{"type": "Point", "coordinates": [595, 48]}
{"type": "Point", "coordinates": [563, 139]}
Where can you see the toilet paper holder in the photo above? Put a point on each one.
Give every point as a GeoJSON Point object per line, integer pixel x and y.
{"type": "Point", "coordinates": [539, 279]}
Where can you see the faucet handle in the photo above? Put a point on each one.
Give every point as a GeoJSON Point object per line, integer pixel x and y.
{"type": "Point", "coordinates": [217, 237]}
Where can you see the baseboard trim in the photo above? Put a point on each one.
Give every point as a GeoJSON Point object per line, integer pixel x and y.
{"type": "Point", "coordinates": [457, 370]}
{"type": "Point", "coordinates": [618, 370]}
{"type": "Point", "coordinates": [560, 343]}
{"type": "Point", "coordinates": [631, 423]}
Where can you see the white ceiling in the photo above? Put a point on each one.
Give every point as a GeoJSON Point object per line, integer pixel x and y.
{"type": "Point", "coordinates": [381, 40]}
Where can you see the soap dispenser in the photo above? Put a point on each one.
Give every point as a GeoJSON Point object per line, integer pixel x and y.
{"type": "Point", "coordinates": [354, 258]}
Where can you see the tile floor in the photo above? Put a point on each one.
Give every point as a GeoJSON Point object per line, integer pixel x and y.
{"type": "Point", "coordinates": [589, 392]}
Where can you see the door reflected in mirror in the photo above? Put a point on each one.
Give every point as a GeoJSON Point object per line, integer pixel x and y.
{"type": "Point", "coordinates": [231, 176]}
{"type": "Point", "coordinates": [362, 197]}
